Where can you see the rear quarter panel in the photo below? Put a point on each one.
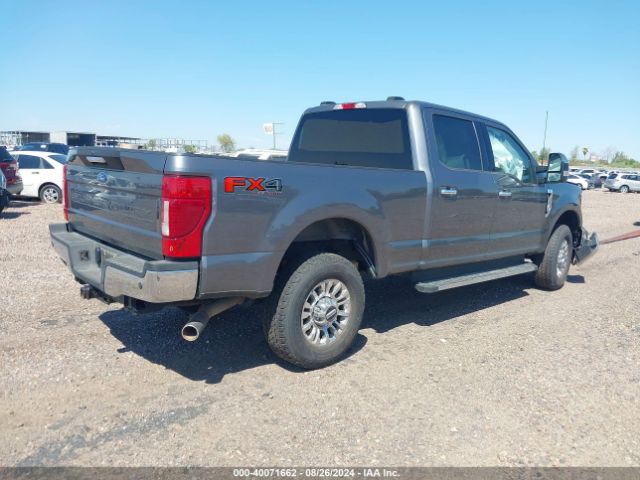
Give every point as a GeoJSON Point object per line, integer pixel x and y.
{"type": "Point", "coordinates": [249, 231]}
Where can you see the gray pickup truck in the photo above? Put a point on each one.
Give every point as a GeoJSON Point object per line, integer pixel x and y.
{"type": "Point", "coordinates": [368, 190]}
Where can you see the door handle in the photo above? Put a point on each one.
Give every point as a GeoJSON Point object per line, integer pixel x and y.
{"type": "Point", "coordinates": [504, 194]}
{"type": "Point", "coordinates": [35, 173]}
{"type": "Point", "coordinates": [448, 191]}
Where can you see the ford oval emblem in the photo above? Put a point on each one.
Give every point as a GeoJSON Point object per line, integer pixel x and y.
{"type": "Point", "coordinates": [102, 177]}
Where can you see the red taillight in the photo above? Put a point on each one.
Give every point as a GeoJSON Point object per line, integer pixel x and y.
{"type": "Point", "coordinates": [184, 209]}
{"type": "Point", "coordinates": [65, 193]}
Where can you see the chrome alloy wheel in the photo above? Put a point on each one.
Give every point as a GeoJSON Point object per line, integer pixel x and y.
{"type": "Point", "coordinates": [325, 312]}
{"type": "Point", "coordinates": [562, 264]}
{"type": "Point", "coordinates": [50, 195]}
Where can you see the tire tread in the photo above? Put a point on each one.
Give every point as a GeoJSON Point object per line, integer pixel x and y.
{"type": "Point", "coordinates": [275, 326]}
{"type": "Point", "coordinates": [546, 277]}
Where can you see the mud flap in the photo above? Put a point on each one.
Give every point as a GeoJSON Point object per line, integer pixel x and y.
{"type": "Point", "coordinates": [588, 246]}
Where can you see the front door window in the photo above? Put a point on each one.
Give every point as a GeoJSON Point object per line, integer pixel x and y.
{"type": "Point", "coordinates": [508, 156]}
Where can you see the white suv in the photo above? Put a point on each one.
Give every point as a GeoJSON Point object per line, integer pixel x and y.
{"type": "Point", "coordinates": [623, 182]}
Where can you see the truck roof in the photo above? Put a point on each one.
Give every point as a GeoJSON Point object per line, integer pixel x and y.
{"type": "Point", "coordinates": [401, 103]}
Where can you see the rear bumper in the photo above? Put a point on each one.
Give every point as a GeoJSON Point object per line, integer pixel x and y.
{"type": "Point", "coordinates": [589, 244]}
{"type": "Point", "coordinates": [118, 274]}
{"type": "Point", "coordinates": [15, 188]}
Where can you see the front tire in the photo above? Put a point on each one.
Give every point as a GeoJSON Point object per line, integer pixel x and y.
{"type": "Point", "coordinates": [319, 312]}
{"type": "Point", "coordinates": [556, 260]}
{"type": "Point", "coordinates": [50, 194]}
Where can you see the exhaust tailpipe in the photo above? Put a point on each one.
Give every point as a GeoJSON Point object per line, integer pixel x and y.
{"type": "Point", "coordinates": [199, 320]}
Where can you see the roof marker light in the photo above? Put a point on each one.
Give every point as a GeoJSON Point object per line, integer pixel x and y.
{"type": "Point", "coordinates": [350, 106]}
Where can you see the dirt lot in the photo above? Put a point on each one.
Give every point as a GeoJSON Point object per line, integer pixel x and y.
{"type": "Point", "coordinates": [494, 374]}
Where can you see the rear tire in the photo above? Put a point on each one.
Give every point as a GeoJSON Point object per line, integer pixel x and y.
{"type": "Point", "coordinates": [319, 312]}
{"type": "Point", "coordinates": [50, 194]}
{"type": "Point", "coordinates": [624, 189]}
{"type": "Point", "coordinates": [556, 260]}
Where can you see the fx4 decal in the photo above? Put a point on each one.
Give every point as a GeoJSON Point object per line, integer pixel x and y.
{"type": "Point", "coordinates": [247, 184]}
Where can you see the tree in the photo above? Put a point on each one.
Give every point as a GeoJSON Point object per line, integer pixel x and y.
{"type": "Point", "coordinates": [151, 144]}
{"type": "Point", "coordinates": [608, 154]}
{"type": "Point", "coordinates": [574, 153]}
{"type": "Point", "coordinates": [543, 156]}
{"type": "Point", "coordinates": [227, 144]}
{"type": "Point", "coordinates": [189, 148]}
{"type": "Point", "coordinates": [585, 150]}
{"type": "Point", "coordinates": [620, 157]}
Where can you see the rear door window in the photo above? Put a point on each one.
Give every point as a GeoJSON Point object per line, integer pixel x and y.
{"type": "Point", "coordinates": [28, 162]}
{"type": "Point", "coordinates": [377, 138]}
{"type": "Point", "coordinates": [457, 143]}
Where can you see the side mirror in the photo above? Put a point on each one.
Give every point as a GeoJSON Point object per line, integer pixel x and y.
{"type": "Point", "coordinates": [558, 168]}
{"type": "Point", "coordinates": [541, 173]}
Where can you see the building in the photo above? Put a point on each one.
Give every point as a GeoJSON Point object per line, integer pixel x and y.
{"type": "Point", "coordinates": [120, 141]}
{"type": "Point", "coordinates": [18, 137]}
{"type": "Point", "coordinates": [14, 138]}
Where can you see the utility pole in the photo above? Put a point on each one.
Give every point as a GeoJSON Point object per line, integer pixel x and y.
{"type": "Point", "coordinates": [544, 140]}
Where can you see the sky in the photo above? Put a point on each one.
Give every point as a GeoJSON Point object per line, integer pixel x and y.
{"type": "Point", "coordinates": [196, 69]}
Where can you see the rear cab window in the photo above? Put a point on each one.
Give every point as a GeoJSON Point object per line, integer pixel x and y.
{"type": "Point", "coordinates": [367, 137]}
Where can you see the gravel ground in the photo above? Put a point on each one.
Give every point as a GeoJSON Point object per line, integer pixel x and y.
{"type": "Point", "coordinates": [493, 374]}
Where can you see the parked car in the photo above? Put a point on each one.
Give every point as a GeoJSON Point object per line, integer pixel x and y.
{"type": "Point", "coordinates": [60, 148]}
{"type": "Point", "coordinates": [10, 169]}
{"type": "Point", "coordinates": [578, 180]}
{"type": "Point", "coordinates": [596, 181]}
{"type": "Point", "coordinates": [5, 196]}
{"type": "Point", "coordinates": [368, 190]}
{"type": "Point", "coordinates": [587, 170]}
{"type": "Point", "coordinates": [257, 154]}
{"type": "Point", "coordinates": [625, 183]}
{"type": "Point", "coordinates": [42, 174]}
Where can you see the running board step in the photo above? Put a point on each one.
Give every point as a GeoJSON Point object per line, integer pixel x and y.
{"type": "Point", "coordinates": [470, 279]}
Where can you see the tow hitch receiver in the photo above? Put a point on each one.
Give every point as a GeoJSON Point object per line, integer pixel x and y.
{"type": "Point", "coordinates": [588, 246]}
{"type": "Point", "coordinates": [88, 292]}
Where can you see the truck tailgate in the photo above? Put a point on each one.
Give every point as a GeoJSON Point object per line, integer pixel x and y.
{"type": "Point", "coordinates": [114, 196]}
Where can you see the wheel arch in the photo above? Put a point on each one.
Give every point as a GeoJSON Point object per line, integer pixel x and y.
{"type": "Point", "coordinates": [341, 235]}
{"type": "Point", "coordinates": [570, 218]}
{"type": "Point", "coordinates": [46, 184]}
